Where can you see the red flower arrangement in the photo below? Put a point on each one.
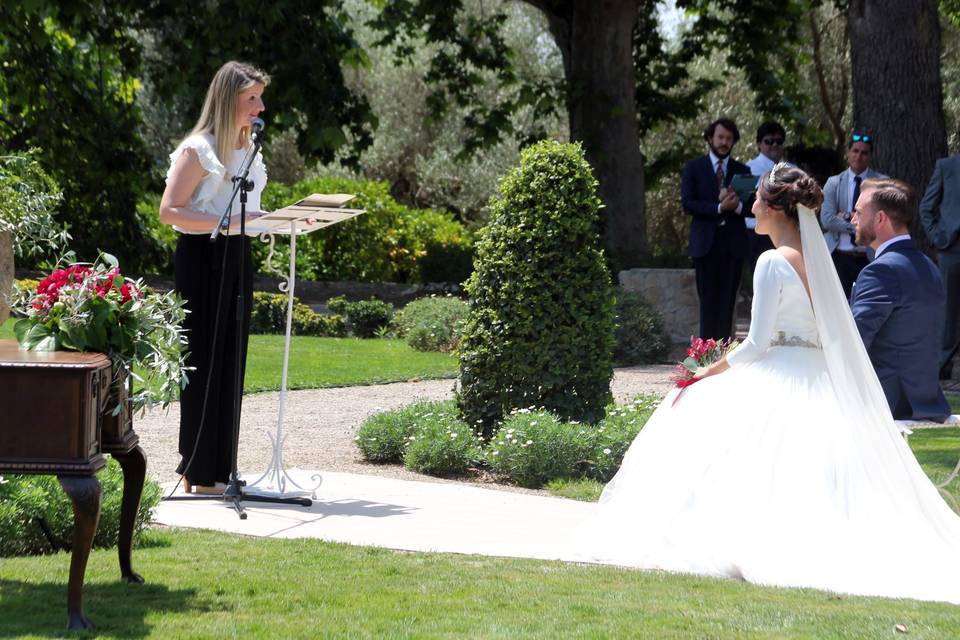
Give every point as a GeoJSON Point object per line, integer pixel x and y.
{"type": "Point", "coordinates": [93, 307]}
{"type": "Point", "coordinates": [700, 353]}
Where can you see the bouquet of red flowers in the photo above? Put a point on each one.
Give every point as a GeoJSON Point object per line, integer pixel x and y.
{"type": "Point", "coordinates": [700, 353]}
{"type": "Point", "coordinates": [93, 307]}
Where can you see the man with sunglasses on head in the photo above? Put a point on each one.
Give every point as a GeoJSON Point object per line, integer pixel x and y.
{"type": "Point", "coordinates": [940, 215]}
{"type": "Point", "coordinates": [840, 196]}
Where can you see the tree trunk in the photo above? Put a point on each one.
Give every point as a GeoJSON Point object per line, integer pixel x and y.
{"type": "Point", "coordinates": [595, 39]}
{"type": "Point", "coordinates": [6, 273]}
{"type": "Point", "coordinates": [897, 96]}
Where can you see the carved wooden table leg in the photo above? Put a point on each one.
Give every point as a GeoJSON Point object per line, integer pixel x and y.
{"type": "Point", "coordinates": [134, 465]}
{"type": "Point", "coordinates": [84, 492]}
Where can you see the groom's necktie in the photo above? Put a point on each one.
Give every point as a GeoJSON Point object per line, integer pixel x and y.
{"type": "Point", "coordinates": [856, 196]}
{"type": "Point", "coordinates": [720, 174]}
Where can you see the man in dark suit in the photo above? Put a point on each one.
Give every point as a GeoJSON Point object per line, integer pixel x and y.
{"type": "Point", "coordinates": [718, 236]}
{"type": "Point", "coordinates": [898, 303]}
{"type": "Point", "coordinates": [940, 215]}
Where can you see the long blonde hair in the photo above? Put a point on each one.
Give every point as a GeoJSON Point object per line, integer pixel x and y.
{"type": "Point", "coordinates": [219, 115]}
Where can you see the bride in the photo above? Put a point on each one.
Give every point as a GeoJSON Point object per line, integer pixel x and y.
{"type": "Point", "coordinates": [783, 466]}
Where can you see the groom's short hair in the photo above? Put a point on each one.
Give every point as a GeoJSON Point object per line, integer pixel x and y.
{"type": "Point", "coordinates": [897, 199]}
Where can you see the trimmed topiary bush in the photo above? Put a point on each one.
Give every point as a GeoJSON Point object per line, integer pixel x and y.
{"type": "Point", "coordinates": [641, 336]}
{"type": "Point", "coordinates": [541, 325]}
{"type": "Point", "coordinates": [270, 316]}
{"type": "Point", "coordinates": [432, 323]}
{"type": "Point", "coordinates": [26, 499]}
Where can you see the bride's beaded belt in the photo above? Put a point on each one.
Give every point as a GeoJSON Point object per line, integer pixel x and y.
{"type": "Point", "coordinates": [783, 340]}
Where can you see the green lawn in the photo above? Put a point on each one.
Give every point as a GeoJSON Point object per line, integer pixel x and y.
{"type": "Point", "coordinates": [333, 362]}
{"type": "Point", "coordinates": [209, 585]}
{"type": "Point", "coordinates": [337, 362]}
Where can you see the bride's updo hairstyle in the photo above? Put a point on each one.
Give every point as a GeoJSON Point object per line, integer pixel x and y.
{"type": "Point", "coordinates": [786, 186]}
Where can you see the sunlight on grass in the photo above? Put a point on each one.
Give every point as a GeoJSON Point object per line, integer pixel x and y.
{"type": "Point", "coordinates": [583, 489]}
{"type": "Point", "coordinates": [211, 585]}
{"type": "Point", "coordinates": [335, 362]}
{"type": "Point", "coordinates": [332, 362]}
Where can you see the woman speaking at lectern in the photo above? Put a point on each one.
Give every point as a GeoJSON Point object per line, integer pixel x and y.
{"type": "Point", "coordinates": [199, 188]}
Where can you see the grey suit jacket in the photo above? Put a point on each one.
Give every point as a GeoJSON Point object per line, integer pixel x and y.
{"type": "Point", "coordinates": [940, 206]}
{"type": "Point", "coordinates": [836, 196]}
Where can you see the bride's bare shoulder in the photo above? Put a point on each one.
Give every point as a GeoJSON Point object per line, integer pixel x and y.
{"type": "Point", "coordinates": [793, 256]}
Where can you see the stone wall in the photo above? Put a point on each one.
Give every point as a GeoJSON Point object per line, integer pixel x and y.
{"type": "Point", "coordinates": [674, 294]}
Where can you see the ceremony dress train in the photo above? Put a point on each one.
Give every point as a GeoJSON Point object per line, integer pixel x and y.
{"type": "Point", "coordinates": [787, 469]}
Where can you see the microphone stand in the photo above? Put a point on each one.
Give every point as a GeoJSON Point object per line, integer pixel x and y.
{"type": "Point", "coordinates": [242, 184]}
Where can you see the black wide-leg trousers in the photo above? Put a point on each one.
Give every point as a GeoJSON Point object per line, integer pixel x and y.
{"type": "Point", "coordinates": [199, 267]}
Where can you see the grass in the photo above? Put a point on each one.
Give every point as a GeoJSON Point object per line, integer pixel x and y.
{"type": "Point", "coordinates": [583, 489]}
{"type": "Point", "coordinates": [332, 362]}
{"type": "Point", "coordinates": [337, 362]}
{"type": "Point", "coordinates": [208, 585]}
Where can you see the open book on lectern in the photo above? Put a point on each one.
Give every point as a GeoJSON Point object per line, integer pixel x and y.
{"type": "Point", "coordinates": [309, 214]}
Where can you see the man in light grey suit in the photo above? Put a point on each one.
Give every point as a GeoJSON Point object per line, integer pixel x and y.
{"type": "Point", "coordinates": [940, 215]}
{"type": "Point", "coordinates": [839, 201]}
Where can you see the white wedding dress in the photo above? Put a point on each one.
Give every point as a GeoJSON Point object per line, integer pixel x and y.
{"type": "Point", "coordinates": [768, 473]}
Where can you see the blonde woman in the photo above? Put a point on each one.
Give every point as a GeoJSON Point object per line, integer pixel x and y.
{"type": "Point", "coordinates": [207, 274]}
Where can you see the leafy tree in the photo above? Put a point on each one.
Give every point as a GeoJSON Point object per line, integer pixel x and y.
{"type": "Point", "coordinates": [72, 71]}
{"type": "Point", "coordinates": [68, 89]}
{"type": "Point", "coordinates": [621, 79]}
{"type": "Point", "coordinates": [300, 43]}
{"type": "Point", "coordinates": [419, 155]}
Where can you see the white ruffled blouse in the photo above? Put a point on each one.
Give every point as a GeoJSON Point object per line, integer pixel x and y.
{"type": "Point", "coordinates": [214, 191]}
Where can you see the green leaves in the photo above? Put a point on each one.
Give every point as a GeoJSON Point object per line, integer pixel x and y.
{"type": "Point", "coordinates": [540, 330]}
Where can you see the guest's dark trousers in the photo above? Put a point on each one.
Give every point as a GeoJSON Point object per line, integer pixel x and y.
{"type": "Point", "coordinates": [718, 279]}
{"type": "Point", "coordinates": [849, 264]}
{"type": "Point", "coordinates": [212, 345]}
{"type": "Point", "coordinates": [949, 262]}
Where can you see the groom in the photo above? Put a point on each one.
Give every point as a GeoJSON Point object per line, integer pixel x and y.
{"type": "Point", "coordinates": [898, 303]}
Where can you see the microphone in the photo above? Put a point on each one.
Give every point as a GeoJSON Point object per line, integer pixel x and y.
{"type": "Point", "coordinates": [256, 129]}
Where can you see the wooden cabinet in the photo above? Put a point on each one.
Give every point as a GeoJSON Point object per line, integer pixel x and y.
{"type": "Point", "coordinates": [55, 418]}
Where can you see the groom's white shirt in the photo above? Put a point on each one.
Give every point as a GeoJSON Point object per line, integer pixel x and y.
{"type": "Point", "coordinates": [883, 247]}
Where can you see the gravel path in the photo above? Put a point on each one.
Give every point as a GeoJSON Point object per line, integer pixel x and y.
{"type": "Point", "coordinates": [320, 424]}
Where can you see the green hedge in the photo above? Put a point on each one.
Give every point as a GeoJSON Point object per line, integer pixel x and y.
{"type": "Point", "coordinates": [541, 325]}
{"type": "Point", "coordinates": [641, 337]}
{"type": "Point", "coordinates": [388, 243]}
{"type": "Point", "coordinates": [365, 318]}
{"type": "Point", "coordinates": [270, 316]}
{"type": "Point", "coordinates": [432, 323]}
{"type": "Point", "coordinates": [531, 448]}
{"type": "Point", "coordinates": [427, 437]}
{"type": "Point", "coordinates": [25, 499]}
